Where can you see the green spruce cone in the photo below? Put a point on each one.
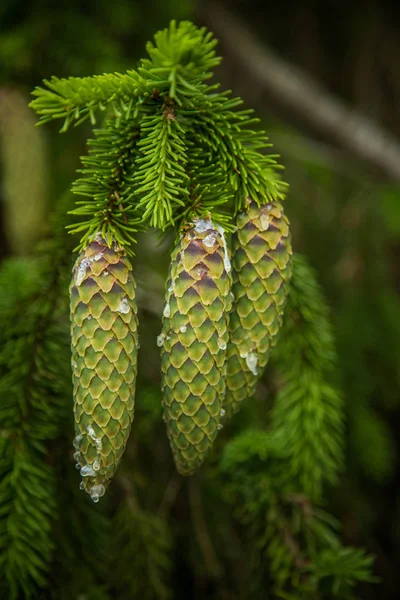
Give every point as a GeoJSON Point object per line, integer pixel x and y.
{"type": "Point", "coordinates": [104, 354]}
{"type": "Point", "coordinates": [261, 263]}
{"type": "Point", "coordinates": [194, 340]}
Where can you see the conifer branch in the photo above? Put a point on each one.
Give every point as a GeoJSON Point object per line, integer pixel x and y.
{"type": "Point", "coordinates": [182, 56]}
{"type": "Point", "coordinates": [180, 60]}
{"type": "Point", "coordinates": [77, 99]}
{"type": "Point", "coordinates": [298, 540]}
{"type": "Point", "coordinates": [160, 178]}
{"type": "Point", "coordinates": [307, 417]}
{"type": "Point", "coordinates": [186, 131]}
{"type": "Point", "coordinates": [234, 144]}
{"type": "Point", "coordinates": [34, 382]}
{"type": "Point", "coordinates": [105, 181]}
{"type": "Point", "coordinates": [29, 418]}
{"type": "Point", "coordinates": [209, 189]}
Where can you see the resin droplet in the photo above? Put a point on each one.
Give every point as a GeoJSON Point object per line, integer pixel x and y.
{"type": "Point", "coordinates": [222, 412]}
{"type": "Point", "coordinates": [183, 328]}
{"type": "Point", "coordinates": [227, 262]}
{"type": "Point", "coordinates": [123, 307]}
{"type": "Point", "coordinates": [91, 432]}
{"type": "Point", "coordinates": [87, 471]}
{"type": "Point", "coordinates": [219, 426]}
{"type": "Point", "coordinates": [160, 340]}
{"type": "Point", "coordinates": [251, 362]}
{"type": "Point", "coordinates": [96, 492]}
{"type": "Point", "coordinates": [264, 222]}
{"type": "Point", "coordinates": [77, 455]}
{"type": "Point", "coordinates": [167, 310]}
{"type": "Point", "coordinates": [209, 241]}
{"type": "Point", "coordinates": [96, 464]}
{"type": "Point", "coordinates": [202, 225]}
{"type": "Point", "coordinates": [85, 263]}
{"type": "Point", "coordinates": [77, 441]}
{"type": "Point", "coordinates": [221, 343]}
{"type": "Point", "coordinates": [81, 486]}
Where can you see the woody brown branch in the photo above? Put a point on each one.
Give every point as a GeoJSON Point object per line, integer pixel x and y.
{"type": "Point", "coordinates": [295, 90]}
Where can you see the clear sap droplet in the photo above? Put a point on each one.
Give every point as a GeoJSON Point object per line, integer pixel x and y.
{"type": "Point", "coordinates": [97, 491]}
{"type": "Point", "coordinates": [183, 328]}
{"type": "Point", "coordinates": [98, 256]}
{"type": "Point", "coordinates": [160, 340]}
{"type": "Point", "coordinates": [123, 307]}
{"type": "Point", "coordinates": [99, 445]}
{"type": "Point", "coordinates": [210, 240]}
{"type": "Point", "coordinates": [77, 455]}
{"type": "Point", "coordinates": [264, 222]}
{"type": "Point", "coordinates": [251, 362]}
{"type": "Point", "coordinates": [87, 471]}
{"type": "Point", "coordinates": [202, 225]}
{"type": "Point", "coordinates": [77, 441]}
{"type": "Point", "coordinates": [219, 426]}
{"type": "Point", "coordinates": [78, 466]}
{"type": "Point", "coordinates": [96, 464]}
{"type": "Point", "coordinates": [80, 276]}
{"type": "Point", "coordinates": [227, 262]}
{"type": "Point", "coordinates": [91, 432]}
{"type": "Point", "coordinates": [222, 412]}
{"type": "Point", "coordinates": [221, 343]}
{"type": "Point", "coordinates": [167, 310]}
{"type": "Point", "coordinates": [81, 486]}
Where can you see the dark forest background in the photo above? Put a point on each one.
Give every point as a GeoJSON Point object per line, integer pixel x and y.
{"type": "Point", "coordinates": [325, 79]}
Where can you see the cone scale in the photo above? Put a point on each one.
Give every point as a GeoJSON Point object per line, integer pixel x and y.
{"type": "Point", "coordinates": [104, 355]}
{"type": "Point", "coordinates": [261, 263]}
{"type": "Point", "coordinates": [193, 340]}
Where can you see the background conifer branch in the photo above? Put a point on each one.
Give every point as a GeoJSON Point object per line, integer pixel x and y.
{"type": "Point", "coordinates": [34, 380]}
{"type": "Point", "coordinates": [309, 399]}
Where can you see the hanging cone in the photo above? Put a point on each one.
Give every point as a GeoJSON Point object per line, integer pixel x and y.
{"type": "Point", "coordinates": [194, 340]}
{"type": "Point", "coordinates": [104, 354]}
{"type": "Point", "coordinates": [261, 263]}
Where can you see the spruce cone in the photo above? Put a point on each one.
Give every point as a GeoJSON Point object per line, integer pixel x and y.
{"type": "Point", "coordinates": [104, 353]}
{"type": "Point", "coordinates": [194, 340]}
{"type": "Point", "coordinates": [261, 262]}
